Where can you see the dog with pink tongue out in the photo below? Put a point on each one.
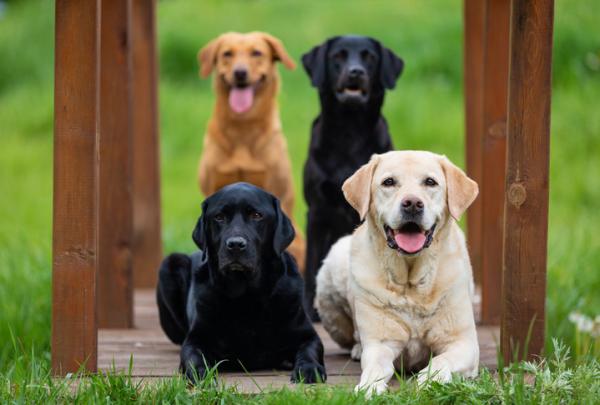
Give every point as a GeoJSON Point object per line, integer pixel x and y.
{"type": "Point", "coordinates": [398, 291]}
{"type": "Point", "coordinates": [244, 141]}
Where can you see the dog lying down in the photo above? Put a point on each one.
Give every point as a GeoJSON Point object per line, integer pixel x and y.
{"type": "Point", "coordinates": [398, 291]}
{"type": "Point", "coordinates": [237, 303]}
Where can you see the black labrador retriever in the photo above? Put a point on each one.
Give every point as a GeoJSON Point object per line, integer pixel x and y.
{"type": "Point", "coordinates": [351, 74]}
{"type": "Point", "coordinates": [237, 303]}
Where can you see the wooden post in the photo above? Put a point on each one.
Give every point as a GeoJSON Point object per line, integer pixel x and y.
{"type": "Point", "coordinates": [526, 204]}
{"type": "Point", "coordinates": [147, 250]}
{"type": "Point", "coordinates": [115, 287]}
{"type": "Point", "coordinates": [495, 89]}
{"type": "Point", "coordinates": [474, 14]}
{"type": "Point", "coordinates": [74, 231]}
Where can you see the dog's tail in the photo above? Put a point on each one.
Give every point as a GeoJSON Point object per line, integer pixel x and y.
{"type": "Point", "coordinates": [174, 277]}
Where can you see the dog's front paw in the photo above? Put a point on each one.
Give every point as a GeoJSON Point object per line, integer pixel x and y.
{"type": "Point", "coordinates": [309, 373]}
{"type": "Point", "coordinates": [194, 374]}
{"type": "Point", "coordinates": [376, 388]}
{"type": "Point", "coordinates": [439, 370]}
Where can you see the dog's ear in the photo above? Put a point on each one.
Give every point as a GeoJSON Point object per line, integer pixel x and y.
{"type": "Point", "coordinates": [315, 63]}
{"type": "Point", "coordinates": [390, 66]}
{"type": "Point", "coordinates": [284, 231]}
{"type": "Point", "coordinates": [199, 235]}
{"type": "Point", "coordinates": [207, 56]}
{"type": "Point", "coordinates": [279, 52]}
{"type": "Point", "coordinates": [357, 188]}
{"type": "Point", "coordinates": [461, 190]}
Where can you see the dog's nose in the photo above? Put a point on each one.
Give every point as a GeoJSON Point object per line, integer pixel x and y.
{"type": "Point", "coordinates": [412, 205]}
{"type": "Point", "coordinates": [236, 244]}
{"type": "Point", "coordinates": [240, 75]}
{"type": "Point", "coordinates": [356, 72]}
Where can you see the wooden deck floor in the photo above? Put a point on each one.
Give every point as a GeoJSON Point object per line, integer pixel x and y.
{"type": "Point", "coordinates": [154, 356]}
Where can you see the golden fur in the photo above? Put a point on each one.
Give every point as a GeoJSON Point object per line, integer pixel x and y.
{"type": "Point", "coordinates": [248, 146]}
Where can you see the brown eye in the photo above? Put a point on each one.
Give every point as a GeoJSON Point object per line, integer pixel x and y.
{"type": "Point", "coordinates": [220, 217]}
{"type": "Point", "coordinates": [256, 215]}
{"type": "Point", "coordinates": [341, 55]}
{"type": "Point", "coordinates": [430, 182]}
{"type": "Point", "coordinates": [227, 54]}
{"type": "Point", "coordinates": [256, 53]}
{"type": "Point", "coordinates": [388, 182]}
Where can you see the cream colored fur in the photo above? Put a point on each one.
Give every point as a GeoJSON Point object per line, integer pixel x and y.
{"type": "Point", "coordinates": [391, 308]}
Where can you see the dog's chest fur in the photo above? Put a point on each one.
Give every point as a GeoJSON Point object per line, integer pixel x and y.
{"type": "Point", "coordinates": [404, 293]}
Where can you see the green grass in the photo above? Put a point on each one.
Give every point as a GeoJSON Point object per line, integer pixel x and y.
{"type": "Point", "coordinates": [424, 112]}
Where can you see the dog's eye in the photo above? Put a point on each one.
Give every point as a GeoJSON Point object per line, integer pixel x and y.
{"type": "Point", "coordinates": [220, 217]}
{"type": "Point", "coordinates": [366, 55]}
{"type": "Point", "coordinates": [256, 215]}
{"type": "Point", "coordinates": [256, 53]}
{"type": "Point", "coordinates": [341, 55]}
{"type": "Point", "coordinates": [388, 182]}
{"type": "Point", "coordinates": [227, 54]}
{"type": "Point", "coordinates": [430, 182]}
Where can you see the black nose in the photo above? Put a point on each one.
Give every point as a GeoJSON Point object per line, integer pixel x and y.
{"type": "Point", "coordinates": [240, 75]}
{"type": "Point", "coordinates": [412, 205]}
{"type": "Point", "coordinates": [356, 72]}
{"type": "Point", "coordinates": [236, 244]}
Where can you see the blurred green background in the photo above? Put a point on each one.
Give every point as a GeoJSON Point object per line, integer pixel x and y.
{"type": "Point", "coordinates": [425, 111]}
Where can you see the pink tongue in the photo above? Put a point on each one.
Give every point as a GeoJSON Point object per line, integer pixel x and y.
{"type": "Point", "coordinates": [410, 242]}
{"type": "Point", "coordinates": [240, 100]}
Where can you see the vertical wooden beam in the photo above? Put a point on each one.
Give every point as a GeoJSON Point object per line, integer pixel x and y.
{"type": "Point", "coordinates": [526, 204]}
{"type": "Point", "coordinates": [147, 250]}
{"type": "Point", "coordinates": [115, 287]}
{"type": "Point", "coordinates": [74, 231]}
{"type": "Point", "coordinates": [473, 52]}
{"type": "Point", "coordinates": [495, 89]}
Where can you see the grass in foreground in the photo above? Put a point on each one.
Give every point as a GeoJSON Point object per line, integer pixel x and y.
{"type": "Point", "coordinates": [550, 382]}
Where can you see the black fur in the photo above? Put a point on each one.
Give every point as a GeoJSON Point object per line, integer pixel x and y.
{"type": "Point", "coordinates": [242, 306]}
{"type": "Point", "coordinates": [351, 74]}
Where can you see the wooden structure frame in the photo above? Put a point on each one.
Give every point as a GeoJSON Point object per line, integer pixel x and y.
{"type": "Point", "coordinates": [106, 218]}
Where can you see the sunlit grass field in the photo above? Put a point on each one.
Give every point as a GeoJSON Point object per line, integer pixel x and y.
{"type": "Point", "coordinates": [425, 111]}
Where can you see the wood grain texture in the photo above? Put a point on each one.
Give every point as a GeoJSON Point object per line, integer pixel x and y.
{"type": "Point", "coordinates": [147, 248]}
{"type": "Point", "coordinates": [115, 232]}
{"type": "Point", "coordinates": [495, 93]}
{"type": "Point", "coordinates": [74, 232]}
{"type": "Point", "coordinates": [154, 356]}
{"type": "Point", "coordinates": [473, 52]}
{"type": "Point", "coordinates": [526, 204]}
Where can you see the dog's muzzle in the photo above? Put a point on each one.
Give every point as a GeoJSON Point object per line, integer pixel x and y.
{"type": "Point", "coordinates": [410, 238]}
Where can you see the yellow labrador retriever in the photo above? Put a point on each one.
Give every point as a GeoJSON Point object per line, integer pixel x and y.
{"type": "Point", "coordinates": [399, 289]}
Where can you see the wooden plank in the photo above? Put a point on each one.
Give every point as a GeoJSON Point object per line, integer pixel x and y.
{"type": "Point", "coordinates": [154, 356]}
{"type": "Point", "coordinates": [74, 232]}
{"type": "Point", "coordinates": [495, 89]}
{"type": "Point", "coordinates": [526, 218]}
{"type": "Point", "coordinates": [474, 14]}
{"type": "Point", "coordinates": [147, 248]}
{"type": "Point", "coordinates": [115, 290]}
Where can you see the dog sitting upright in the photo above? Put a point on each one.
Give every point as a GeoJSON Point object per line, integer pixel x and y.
{"type": "Point", "coordinates": [239, 299]}
{"type": "Point", "coordinates": [244, 140]}
{"type": "Point", "coordinates": [351, 74]}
